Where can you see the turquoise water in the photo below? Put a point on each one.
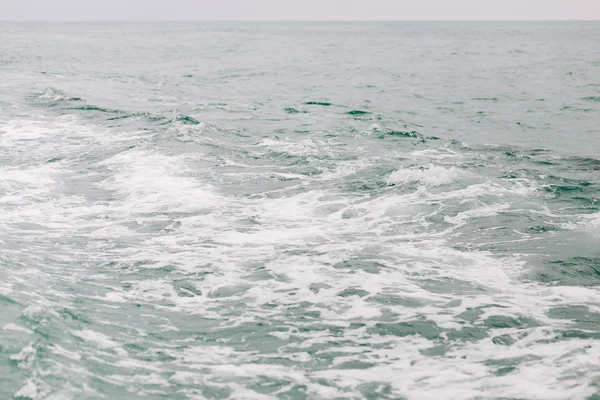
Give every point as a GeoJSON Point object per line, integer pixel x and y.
{"type": "Point", "coordinates": [300, 211]}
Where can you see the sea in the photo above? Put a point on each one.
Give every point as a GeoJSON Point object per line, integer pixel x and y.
{"type": "Point", "coordinates": [315, 210]}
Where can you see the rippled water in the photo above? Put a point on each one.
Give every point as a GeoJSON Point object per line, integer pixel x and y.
{"type": "Point", "coordinates": [333, 210]}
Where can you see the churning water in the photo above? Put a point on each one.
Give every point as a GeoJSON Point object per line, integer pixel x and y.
{"type": "Point", "coordinates": [294, 211]}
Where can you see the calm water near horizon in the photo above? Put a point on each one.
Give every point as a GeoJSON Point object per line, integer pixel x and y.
{"type": "Point", "coordinates": [395, 210]}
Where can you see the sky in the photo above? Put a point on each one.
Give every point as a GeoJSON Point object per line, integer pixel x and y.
{"type": "Point", "coordinates": [202, 10]}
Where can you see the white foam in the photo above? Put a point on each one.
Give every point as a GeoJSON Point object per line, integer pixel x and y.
{"type": "Point", "coordinates": [344, 262]}
{"type": "Point", "coordinates": [310, 146]}
{"type": "Point", "coordinates": [26, 354]}
{"type": "Point", "coordinates": [99, 340]}
{"type": "Point", "coordinates": [150, 182]}
{"type": "Point", "coordinates": [430, 176]}
{"type": "Point", "coordinates": [52, 95]}
{"type": "Point", "coordinates": [28, 391]}
{"type": "Point", "coordinates": [486, 211]}
{"type": "Point", "coordinates": [16, 328]}
{"type": "Point", "coordinates": [59, 350]}
{"type": "Point", "coordinates": [591, 223]}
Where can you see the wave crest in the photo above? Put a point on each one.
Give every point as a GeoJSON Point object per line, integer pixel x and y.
{"type": "Point", "coordinates": [431, 175]}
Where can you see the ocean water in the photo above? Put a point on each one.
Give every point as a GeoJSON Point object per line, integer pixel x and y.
{"type": "Point", "coordinates": [300, 211]}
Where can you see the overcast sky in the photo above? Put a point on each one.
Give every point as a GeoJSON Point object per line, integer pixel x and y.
{"type": "Point", "coordinates": [152, 10]}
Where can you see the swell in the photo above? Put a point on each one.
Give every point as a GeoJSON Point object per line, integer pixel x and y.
{"type": "Point", "coordinates": [62, 103]}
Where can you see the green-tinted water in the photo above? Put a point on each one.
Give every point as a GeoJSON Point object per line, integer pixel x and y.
{"type": "Point", "coordinates": [377, 211]}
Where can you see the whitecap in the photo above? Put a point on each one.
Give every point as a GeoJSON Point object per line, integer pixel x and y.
{"type": "Point", "coordinates": [431, 175]}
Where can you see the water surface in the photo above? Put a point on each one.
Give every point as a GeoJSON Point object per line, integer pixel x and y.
{"type": "Point", "coordinates": [294, 211]}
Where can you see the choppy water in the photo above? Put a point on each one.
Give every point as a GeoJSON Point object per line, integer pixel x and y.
{"type": "Point", "coordinates": [256, 211]}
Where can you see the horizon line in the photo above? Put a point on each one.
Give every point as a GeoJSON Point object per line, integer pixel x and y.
{"type": "Point", "coordinates": [295, 20]}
